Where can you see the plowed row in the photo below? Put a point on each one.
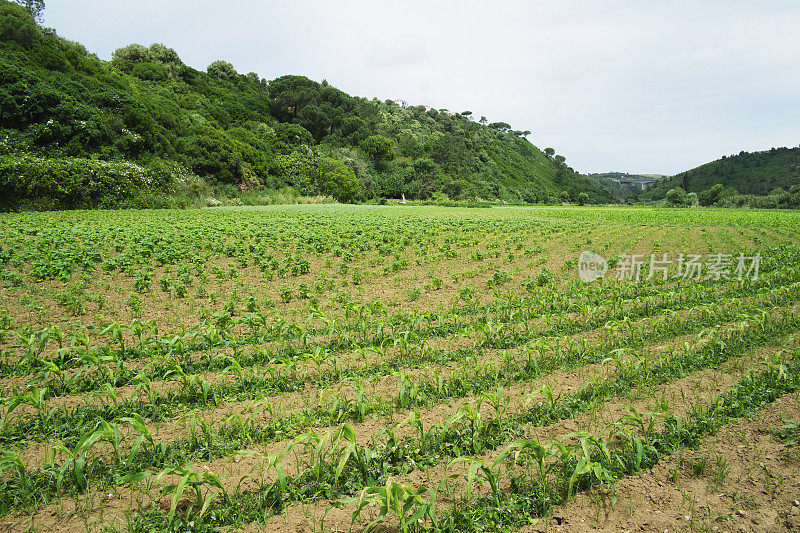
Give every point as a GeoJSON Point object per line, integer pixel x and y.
{"type": "Point", "coordinates": [298, 369]}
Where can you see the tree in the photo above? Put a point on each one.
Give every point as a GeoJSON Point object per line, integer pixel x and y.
{"type": "Point", "coordinates": [293, 93]}
{"type": "Point", "coordinates": [166, 57]}
{"type": "Point", "coordinates": [297, 169]}
{"type": "Point", "coordinates": [245, 131]}
{"type": "Point", "coordinates": [163, 54]}
{"type": "Point", "coordinates": [583, 198]}
{"type": "Point", "coordinates": [133, 53]}
{"type": "Point", "coordinates": [148, 63]}
{"type": "Point", "coordinates": [729, 192]}
{"type": "Point", "coordinates": [377, 147]}
{"type": "Point", "coordinates": [333, 178]}
{"type": "Point", "coordinates": [676, 197]}
{"type": "Point", "coordinates": [501, 126]}
{"type": "Point", "coordinates": [424, 170]}
{"type": "Point", "coordinates": [711, 195]}
{"type": "Point", "coordinates": [482, 120]}
{"type": "Point", "coordinates": [34, 7]}
{"type": "Point", "coordinates": [353, 129]}
{"type": "Point", "coordinates": [222, 69]}
{"type": "Point", "coordinates": [549, 152]}
{"type": "Point", "coordinates": [315, 120]}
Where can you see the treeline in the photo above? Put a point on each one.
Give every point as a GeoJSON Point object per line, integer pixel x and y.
{"type": "Point", "coordinates": [238, 132]}
{"type": "Point", "coordinates": [721, 196]}
{"type": "Point", "coordinates": [765, 179]}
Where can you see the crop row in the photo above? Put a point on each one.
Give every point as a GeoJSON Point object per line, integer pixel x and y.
{"type": "Point", "coordinates": [475, 377]}
{"type": "Point", "coordinates": [541, 475]}
{"type": "Point", "coordinates": [101, 366]}
{"type": "Point", "coordinates": [471, 434]}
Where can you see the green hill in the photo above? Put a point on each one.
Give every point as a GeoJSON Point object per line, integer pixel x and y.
{"type": "Point", "coordinates": [748, 173]}
{"type": "Point", "coordinates": [80, 132]}
{"type": "Point", "coordinates": [621, 185]}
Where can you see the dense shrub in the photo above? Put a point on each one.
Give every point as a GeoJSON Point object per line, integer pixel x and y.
{"type": "Point", "coordinates": [240, 132]}
{"type": "Point", "coordinates": [73, 183]}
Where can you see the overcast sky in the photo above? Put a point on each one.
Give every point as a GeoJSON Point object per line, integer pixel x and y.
{"type": "Point", "coordinates": [637, 86]}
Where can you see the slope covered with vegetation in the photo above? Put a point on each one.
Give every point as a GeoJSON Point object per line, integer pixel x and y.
{"type": "Point", "coordinates": [77, 131]}
{"type": "Point", "coordinates": [619, 183]}
{"type": "Point", "coordinates": [756, 174]}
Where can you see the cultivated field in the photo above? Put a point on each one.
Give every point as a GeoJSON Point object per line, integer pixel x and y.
{"type": "Point", "coordinates": [322, 368]}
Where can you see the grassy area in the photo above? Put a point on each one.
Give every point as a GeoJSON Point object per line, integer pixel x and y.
{"type": "Point", "coordinates": [319, 366]}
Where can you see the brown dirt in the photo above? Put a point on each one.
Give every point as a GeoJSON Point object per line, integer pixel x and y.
{"type": "Point", "coordinates": [763, 476]}
{"type": "Point", "coordinates": [760, 492]}
{"type": "Point", "coordinates": [682, 395]}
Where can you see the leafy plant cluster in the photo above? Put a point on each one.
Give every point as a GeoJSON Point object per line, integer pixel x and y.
{"type": "Point", "coordinates": [339, 465]}
{"type": "Point", "coordinates": [147, 107]}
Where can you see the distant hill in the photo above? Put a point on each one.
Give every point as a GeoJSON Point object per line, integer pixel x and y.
{"type": "Point", "coordinates": [622, 185]}
{"type": "Point", "coordinates": [77, 131]}
{"type": "Point", "coordinates": [749, 173]}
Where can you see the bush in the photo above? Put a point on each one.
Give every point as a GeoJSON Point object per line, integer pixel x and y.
{"type": "Point", "coordinates": [28, 182]}
{"type": "Point", "coordinates": [332, 177]}
{"type": "Point", "coordinates": [149, 71]}
{"type": "Point", "coordinates": [710, 196]}
{"type": "Point", "coordinates": [676, 197]}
